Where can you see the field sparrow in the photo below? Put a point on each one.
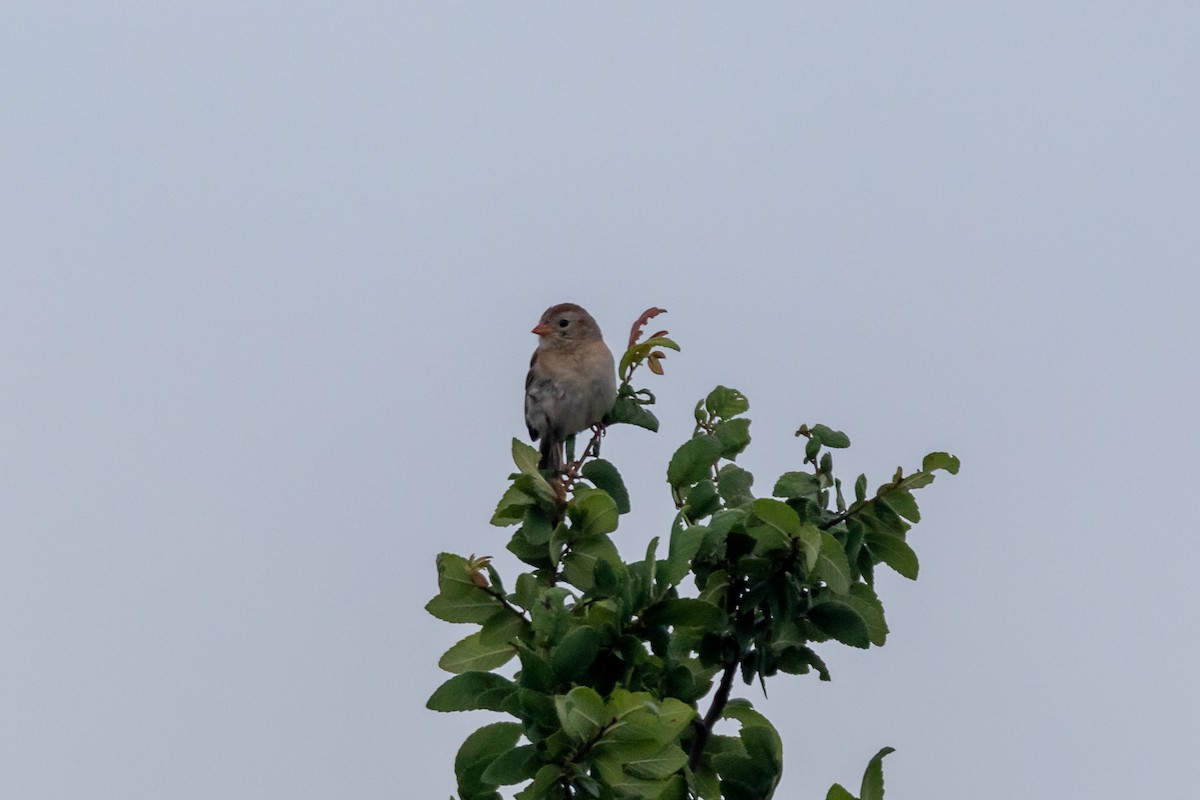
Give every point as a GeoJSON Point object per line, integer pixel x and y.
{"type": "Point", "coordinates": [571, 383]}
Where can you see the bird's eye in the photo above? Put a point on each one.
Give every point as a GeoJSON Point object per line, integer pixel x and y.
{"type": "Point", "coordinates": [562, 323]}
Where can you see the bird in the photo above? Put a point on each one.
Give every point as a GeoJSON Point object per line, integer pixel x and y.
{"type": "Point", "coordinates": [572, 380]}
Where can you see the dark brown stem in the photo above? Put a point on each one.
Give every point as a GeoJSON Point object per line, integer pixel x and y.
{"type": "Point", "coordinates": [570, 472]}
{"type": "Point", "coordinates": [720, 700]}
{"type": "Point", "coordinates": [880, 493]}
{"type": "Point", "coordinates": [842, 517]}
{"type": "Point", "coordinates": [504, 601]}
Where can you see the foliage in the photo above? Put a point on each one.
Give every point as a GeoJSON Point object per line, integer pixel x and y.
{"type": "Point", "coordinates": [614, 657]}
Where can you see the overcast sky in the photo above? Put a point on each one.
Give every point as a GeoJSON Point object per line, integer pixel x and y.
{"type": "Point", "coordinates": [268, 274]}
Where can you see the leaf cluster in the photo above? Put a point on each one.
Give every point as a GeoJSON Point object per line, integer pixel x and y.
{"type": "Point", "coordinates": [613, 658]}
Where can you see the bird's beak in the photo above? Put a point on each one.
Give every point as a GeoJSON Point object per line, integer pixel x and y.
{"type": "Point", "coordinates": [542, 329]}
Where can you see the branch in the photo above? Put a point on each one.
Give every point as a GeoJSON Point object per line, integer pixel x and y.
{"type": "Point", "coordinates": [565, 480]}
{"type": "Point", "coordinates": [592, 449]}
{"type": "Point", "coordinates": [720, 700]}
{"type": "Point", "coordinates": [880, 493]}
{"type": "Point", "coordinates": [842, 517]}
{"type": "Point", "coordinates": [504, 602]}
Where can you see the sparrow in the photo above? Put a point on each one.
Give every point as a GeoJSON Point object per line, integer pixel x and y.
{"type": "Point", "coordinates": [572, 380]}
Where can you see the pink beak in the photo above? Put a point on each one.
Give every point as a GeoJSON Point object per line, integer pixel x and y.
{"type": "Point", "coordinates": [542, 329]}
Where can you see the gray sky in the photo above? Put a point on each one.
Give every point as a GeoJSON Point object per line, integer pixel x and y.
{"type": "Point", "coordinates": [268, 278]}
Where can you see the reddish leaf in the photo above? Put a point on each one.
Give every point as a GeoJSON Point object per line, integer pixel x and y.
{"type": "Point", "coordinates": [636, 331]}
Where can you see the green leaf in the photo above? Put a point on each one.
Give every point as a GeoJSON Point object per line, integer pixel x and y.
{"type": "Point", "coordinates": [455, 576]}
{"type": "Point", "coordinates": [782, 517]}
{"type": "Point", "coordinates": [592, 511]}
{"type": "Point", "coordinates": [685, 543]}
{"type": "Point", "coordinates": [641, 583]}
{"type": "Point", "coordinates": [684, 612]}
{"type": "Point", "coordinates": [724, 402]}
{"type": "Point", "coordinates": [862, 598]}
{"type": "Point", "coordinates": [649, 565]}
{"type": "Point", "coordinates": [535, 673]}
{"type": "Point", "coordinates": [705, 781]}
{"type": "Point", "coordinates": [605, 584]}
{"type": "Point", "coordinates": [470, 654]}
{"type": "Point", "coordinates": [550, 618]}
{"type": "Point", "coordinates": [575, 653]}
{"type": "Point", "coordinates": [511, 508]}
{"type": "Point", "coordinates": [527, 590]}
{"type": "Point", "coordinates": [661, 341]}
{"type": "Point", "coordinates": [513, 766]}
{"type": "Point", "coordinates": [797, 484]}
{"type": "Point", "coordinates": [628, 411]}
{"type": "Point", "coordinates": [478, 606]}
{"type": "Point", "coordinates": [642, 349]}
{"type": "Point", "coordinates": [741, 710]}
{"type": "Point", "coordinates": [810, 541]}
{"type": "Point", "coordinates": [840, 621]}
{"type": "Point", "coordinates": [624, 705]}
{"type": "Point", "coordinates": [778, 515]}
{"type": "Point", "coordinates": [901, 501]}
{"type": "Point", "coordinates": [612, 773]}
{"type": "Point", "coordinates": [535, 555]}
{"type": "Point", "coordinates": [724, 745]}
{"type": "Point", "coordinates": [528, 495]}
{"type": "Point", "coordinates": [497, 583]}
{"type": "Point", "coordinates": [525, 457]}
{"type": "Point", "coordinates": [605, 476]}
{"type": "Point", "coordinates": [644, 759]}
{"type": "Point", "coordinates": [886, 520]}
{"type": "Point", "coordinates": [743, 779]}
{"type": "Point", "coordinates": [832, 566]}
{"type": "Point", "coordinates": [560, 538]}
{"type": "Point", "coordinates": [838, 792]}
{"type": "Point", "coordinates": [693, 461]}
{"type": "Point", "coordinates": [478, 751]}
{"type": "Point", "coordinates": [714, 587]}
{"type": "Point", "coordinates": [799, 659]}
{"type": "Point", "coordinates": [674, 716]}
{"type": "Point", "coordinates": [637, 716]}
{"type": "Point", "coordinates": [940, 461]}
{"type": "Point", "coordinates": [734, 484]}
{"type": "Point", "coordinates": [702, 500]}
{"type": "Point", "coordinates": [459, 599]}
{"type": "Point", "coordinates": [756, 773]}
{"type": "Point", "coordinates": [543, 784]}
{"type": "Point", "coordinates": [580, 713]}
{"type": "Point", "coordinates": [579, 565]}
{"type": "Point", "coordinates": [829, 437]}
{"type": "Point", "coordinates": [719, 527]}
{"type": "Point", "coordinates": [536, 527]}
{"type": "Point", "coordinates": [634, 353]}
{"type": "Point", "coordinates": [915, 481]}
{"type": "Point", "coordinates": [470, 691]}
{"type": "Point", "coordinates": [503, 627]}
{"type": "Point", "coordinates": [769, 542]}
{"type": "Point", "coordinates": [734, 436]}
{"type": "Point", "coordinates": [763, 745]}
{"type": "Point", "coordinates": [893, 551]}
{"type": "Point", "coordinates": [872, 784]}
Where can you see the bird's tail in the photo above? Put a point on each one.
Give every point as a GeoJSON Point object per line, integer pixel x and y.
{"type": "Point", "coordinates": [552, 454]}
